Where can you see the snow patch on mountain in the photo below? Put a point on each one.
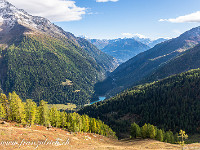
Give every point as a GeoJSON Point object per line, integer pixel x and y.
{"type": "Point", "coordinates": [1, 19]}
{"type": "Point", "coordinates": [10, 16]}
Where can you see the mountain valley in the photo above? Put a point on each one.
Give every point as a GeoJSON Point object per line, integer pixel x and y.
{"type": "Point", "coordinates": [137, 69]}
{"type": "Point", "coordinates": [124, 49]}
{"type": "Point", "coordinates": [63, 91]}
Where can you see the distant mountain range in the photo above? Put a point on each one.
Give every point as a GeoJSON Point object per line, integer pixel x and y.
{"type": "Point", "coordinates": [124, 49]}
{"type": "Point", "coordinates": [39, 60]}
{"type": "Point", "coordinates": [101, 44]}
{"type": "Point", "coordinates": [149, 64]}
{"type": "Point", "coordinates": [148, 41]}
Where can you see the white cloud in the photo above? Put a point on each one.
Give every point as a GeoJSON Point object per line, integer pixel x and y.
{"type": "Point", "coordinates": [54, 10]}
{"type": "Point", "coordinates": [107, 0]}
{"type": "Point", "coordinates": [130, 35]}
{"type": "Point", "coordinates": [127, 35]}
{"type": "Point", "coordinates": [194, 17]}
{"type": "Point", "coordinates": [140, 35]}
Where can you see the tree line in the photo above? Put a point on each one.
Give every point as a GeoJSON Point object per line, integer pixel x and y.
{"type": "Point", "coordinates": [152, 132]}
{"type": "Point", "coordinates": [172, 104]}
{"type": "Point", "coordinates": [28, 113]}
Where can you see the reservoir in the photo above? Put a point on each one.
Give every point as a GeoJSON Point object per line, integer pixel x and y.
{"type": "Point", "coordinates": [101, 98]}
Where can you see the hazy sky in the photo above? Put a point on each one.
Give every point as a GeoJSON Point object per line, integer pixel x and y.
{"type": "Point", "coordinates": [107, 19]}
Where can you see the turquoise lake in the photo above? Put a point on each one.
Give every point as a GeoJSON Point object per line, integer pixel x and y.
{"type": "Point", "coordinates": [101, 98]}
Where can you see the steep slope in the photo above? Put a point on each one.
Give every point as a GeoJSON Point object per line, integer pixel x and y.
{"type": "Point", "coordinates": [107, 62]}
{"type": "Point", "coordinates": [172, 103]}
{"type": "Point", "coordinates": [41, 67]}
{"type": "Point", "coordinates": [17, 21]}
{"type": "Point", "coordinates": [41, 61]}
{"type": "Point", "coordinates": [186, 61]}
{"type": "Point", "coordinates": [142, 65]}
{"type": "Point", "coordinates": [124, 49]}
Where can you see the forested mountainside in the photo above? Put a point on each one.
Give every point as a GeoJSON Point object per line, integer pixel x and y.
{"type": "Point", "coordinates": [39, 60]}
{"type": "Point", "coordinates": [186, 61]}
{"type": "Point", "coordinates": [124, 49]}
{"type": "Point", "coordinates": [107, 62]}
{"type": "Point", "coordinates": [144, 64]}
{"type": "Point", "coordinates": [41, 67]}
{"type": "Point", "coordinates": [172, 104]}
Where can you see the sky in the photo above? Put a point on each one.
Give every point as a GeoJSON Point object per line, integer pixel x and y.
{"type": "Point", "coordinates": [111, 19]}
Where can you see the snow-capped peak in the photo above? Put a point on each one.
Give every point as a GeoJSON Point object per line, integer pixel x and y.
{"type": "Point", "coordinates": [3, 3]}
{"type": "Point", "coordinates": [137, 35]}
{"type": "Point", "coordinates": [10, 15]}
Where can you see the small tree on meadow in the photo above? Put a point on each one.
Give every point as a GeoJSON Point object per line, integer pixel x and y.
{"type": "Point", "coordinates": [183, 136]}
{"type": "Point", "coordinates": [135, 130]}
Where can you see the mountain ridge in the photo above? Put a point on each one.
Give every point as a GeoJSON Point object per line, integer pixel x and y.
{"type": "Point", "coordinates": [29, 45]}
{"type": "Point", "coordinates": [100, 44]}
{"type": "Point", "coordinates": [186, 61]}
{"type": "Point", "coordinates": [124, 49]}
{"type": "Point", "coordinates": [136, 69]}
